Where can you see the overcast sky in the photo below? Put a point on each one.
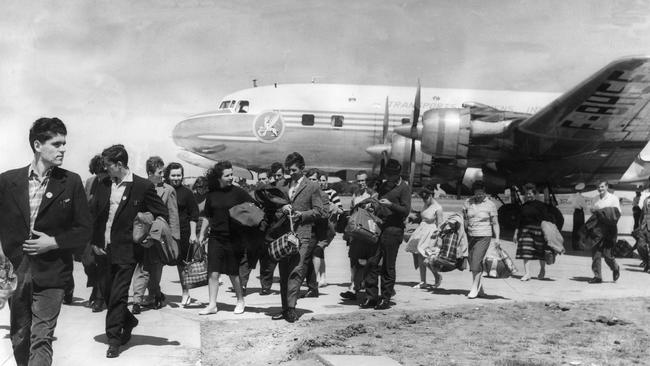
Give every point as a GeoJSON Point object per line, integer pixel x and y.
{"type": "Point", "coordinates": [127, 71]}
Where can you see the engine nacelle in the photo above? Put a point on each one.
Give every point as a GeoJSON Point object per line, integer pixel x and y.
{"type": "Point", "coordinates": [446, 133]}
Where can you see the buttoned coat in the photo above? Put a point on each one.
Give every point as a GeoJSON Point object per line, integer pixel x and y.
{"type": "Point", "coordinates": [63, 214]}
{"type": "Point", "coordinates": [139, 196]}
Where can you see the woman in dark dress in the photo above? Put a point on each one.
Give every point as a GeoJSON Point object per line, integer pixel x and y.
{"type": "Point", "coordinates": [188, 214]}
{"type": "Point", "coordinates": [528, 235]}
{"type": "Point", "coordinates": [225, 250]}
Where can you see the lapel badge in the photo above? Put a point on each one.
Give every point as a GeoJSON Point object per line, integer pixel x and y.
{"type": "Point", "coordinates": [48, 195]}
{"type": "Point", "coordinates": [123, 198]}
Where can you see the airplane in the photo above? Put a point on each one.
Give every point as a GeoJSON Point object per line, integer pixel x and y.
{"type": "Point", "coordinates": [599, 130]}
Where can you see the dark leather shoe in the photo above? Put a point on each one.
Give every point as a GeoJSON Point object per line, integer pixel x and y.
{"type": "Point", "coordinates": [98, 306]}
{"type": "Point", "coordinates": [136, 309]}
{"type": "Point", "coordinates": [596, 280]}
{"type": "Point", "coordinates": [158, 302]}
{"type": "Point", "coordinates": [369, 303]}
{"type": "Point", "coordinates": [126, 332]}
{"type": "Point", "coordinates": [310, 293]}
{"type": "Point", "coordinates": [383, 305]}
{"type": "Point", "coordinates": [348, 295]}
{"type": "Point", "coordinates": [616, 274]}
{"type": "Point", "coordinates": [279, 316]}
{"type": "Point", "coordinates": [291, 315]}
{"type": "Point", "coordinates": [68, 299]}
{"type": "Point", "coordinates": [112, 352]}
{"type": "Point", "coordinates": [265, 291]}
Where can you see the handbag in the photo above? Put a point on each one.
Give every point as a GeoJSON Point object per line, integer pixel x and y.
{"type": "Point", "coordinates": [363, 226]}
{"type": "Point", "coordinates": [497, 263]}
{"type": "Point", "coordinates": [195, 267]}
{"type": "Point", "coordinates": [285, 245]}
{"type": "Point", "coordinates": [8, 279]}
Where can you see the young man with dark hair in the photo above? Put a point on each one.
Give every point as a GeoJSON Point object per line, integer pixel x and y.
{"type": "Point", "coordinates": [395, 194]}
{"type": "Point", "coordinates": [118, 199]}
{"type": "Point", "coordinates": [44, 217]}
{"type": "Point", "coordinates": [305, 208]}
{"type": "Point", "coordinates": [148, 272]}
{"type": "Point", "coordinates": [607, 207]}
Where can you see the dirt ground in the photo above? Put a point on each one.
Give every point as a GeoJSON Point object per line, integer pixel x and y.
{"type": "Point", "coordinates": [607, 332]}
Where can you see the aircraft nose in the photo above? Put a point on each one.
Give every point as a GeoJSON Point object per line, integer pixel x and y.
{"type": "Point", "coordinates": [207, 133]}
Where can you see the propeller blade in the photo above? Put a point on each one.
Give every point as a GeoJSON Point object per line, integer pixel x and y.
{"type": "Point", "coordinates": [384, 136]}
{"type": "Point", "coordinates": [414, 132]}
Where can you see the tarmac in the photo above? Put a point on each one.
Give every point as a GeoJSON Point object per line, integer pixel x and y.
{"type": "Point", "coordinates": [172, 335]}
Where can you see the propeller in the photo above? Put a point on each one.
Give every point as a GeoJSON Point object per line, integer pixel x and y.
{"type": "Point", "coordinates": [414, 134]}
{"type": "Point", "coordinates": [384, 140]}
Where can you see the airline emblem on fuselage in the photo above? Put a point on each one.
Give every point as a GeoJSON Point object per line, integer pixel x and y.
{"type": "Point", "coordinates": [268, 126]}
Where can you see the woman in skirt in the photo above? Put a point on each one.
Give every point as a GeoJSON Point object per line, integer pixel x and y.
{"type": "Point", "coordinates": [425, 235]}
{"type": "Point", "coordinates": [225, 249]}
{"type": "Point", "coordinates": [531, 244]}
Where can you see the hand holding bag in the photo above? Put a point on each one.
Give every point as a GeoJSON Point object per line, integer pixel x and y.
{"type": "Point", "coordinates": [286, 244]}
{"type": "Point", "coordinates": [497, 263]}
{"type": "Point", "coordinates": [195, 267]}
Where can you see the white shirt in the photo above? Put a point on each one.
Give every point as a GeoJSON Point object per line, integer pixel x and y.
{"type": "Point", "coordinates": [644, 194]}
{"type": "Point", "coordinates": [609, 200]}
{"type": "Point", "coordinates": [117, 195]}
{"type": "Point", "coordinates": [293, 186]}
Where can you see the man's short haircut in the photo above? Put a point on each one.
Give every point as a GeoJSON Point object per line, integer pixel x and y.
{"type": "Point", "coordinates": [294, 159]}
{"type": "Point", "coordinates": [323, 174]}
{"type": "Point", "coordinates": [44, 129]}
{"type": "Point", "coordinates": [605, 182]}
{"type": "Point", "coordinates": [153, 163]}
{"type": "Point", "coordinates": [276, 166]}
{"type": "Point", "coordinates": [361, 172]}
{"type": "Point", "coordinates": [478, 185]}
{"type": "Point", "coordinates": [264, 171]}
{"type": "Point", "coordinates": [173, 166]}
{"type": "Point", "coordinates": [311, 172]}
{"type": "Point", "coordinates": [96, 165]}
{"type": "Point", "coordinates": [115, 154]}
{"type": "Point", "coordinates": [530, 187]}
{"type": "Point", "coordinates": [213, 175]}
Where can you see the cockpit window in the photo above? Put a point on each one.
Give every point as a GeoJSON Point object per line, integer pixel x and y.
{"type": "Point", "coordinates": [224, 105]}
{"type": "Point", "coordinates": [232, 104]}
{"type": "Point", "coordinates": [242, 107]}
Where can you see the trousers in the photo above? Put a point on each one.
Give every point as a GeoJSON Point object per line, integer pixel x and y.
{"type": "Point", "coordinates": [383, 264]}
{"type": "Point", "coordinates": [34, 313]}
{"type": "Point", "coordinates": [118, 314]}
{"type": "Point", "coordinates": [146, 277]}
{"type": "Point", "coordinates": [293, 270]}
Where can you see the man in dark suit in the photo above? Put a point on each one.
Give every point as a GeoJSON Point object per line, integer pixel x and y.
{"type": "Point", "coordinates": [118, 199]}
{"type": "Point", "coordinates": [44, 217]}
{"type": "Point", "coordinates": [305, 208]}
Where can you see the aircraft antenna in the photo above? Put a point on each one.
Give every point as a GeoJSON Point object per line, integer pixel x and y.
{"type": "Point", "coordinates": [254, 83]}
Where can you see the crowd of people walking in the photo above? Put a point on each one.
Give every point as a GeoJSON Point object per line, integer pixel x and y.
{"type": "Point", "coordinates": [47, 216]}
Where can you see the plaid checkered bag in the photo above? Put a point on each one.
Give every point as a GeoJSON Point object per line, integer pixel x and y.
{"type": "Point", "coordinates": [285, 245]}
{"type": "Point", "coordinates": [195, 267]}
{"type": "Point", "coordinates": [448, 243]}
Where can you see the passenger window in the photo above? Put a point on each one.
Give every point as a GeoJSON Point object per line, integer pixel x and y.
{"type": "Point", "coordinates": [243, 106]}
{"type": "Point", "coordinates": [337, 121]}
{"type": "Point", "coordinates": [307, 119]}
{"type": "Point", "coordinates": [405, 121]}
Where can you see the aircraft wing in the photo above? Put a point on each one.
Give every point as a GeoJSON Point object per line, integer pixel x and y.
{"type": "Point", "coordinates": [601, 125]}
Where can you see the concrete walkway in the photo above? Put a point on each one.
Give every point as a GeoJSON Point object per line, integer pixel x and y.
{"type": "Point", "coordinates": [171, 336]}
